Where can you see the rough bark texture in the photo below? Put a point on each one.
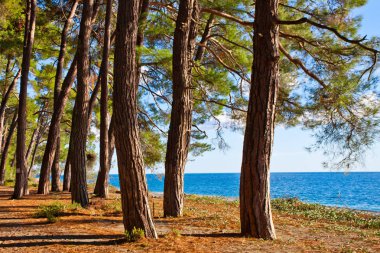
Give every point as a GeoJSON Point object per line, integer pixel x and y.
{"type": "Point", "coordinates": [255, 208]}
{"type": "Point", "coordinates": [21, 185]}
{"type": "Point", "coordinates": [80, 114]}
{"type": "Point", "coordinates": [6, 148]}
{"type": "Point", "coordinates": [181, 114]}
{"type": "Point", "coordinates": [134, 192]}
{"type": "Point", "coordinates": [67, 171]}
{"type": "Point", "coordinates": [101, 186]}
{"type": "Point", "coordinates": [54, 128]}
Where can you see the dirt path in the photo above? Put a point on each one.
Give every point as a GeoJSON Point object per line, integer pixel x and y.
{"type": "Point", "coordinates": [208, 225]}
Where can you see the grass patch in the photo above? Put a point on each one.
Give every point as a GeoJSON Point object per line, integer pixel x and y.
{"type": "Point", "coordinates": [9, 182]}
{"type": "Point", "coordinates": [54, 210]}
{"type": "Point", "coordinates": [211, 200]}
{"type": "Point", "coordinates": [113, 207]}
{"type": "Point", "coordinates": [320, 212]}
{"type": "Point", "coordinates": [51, 211]}
{"type": "Point", "coordinates": [135, 235]}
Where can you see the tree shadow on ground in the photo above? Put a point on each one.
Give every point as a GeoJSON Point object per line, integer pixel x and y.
{"type": "Point", "coordinates": [214, 235]}
{"type": "Point", "coordinates": [34, 240]}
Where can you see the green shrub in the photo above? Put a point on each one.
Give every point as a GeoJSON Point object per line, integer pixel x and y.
{"type": "Point", "coordinates": [9, 182]}
{"type": "Point", "coordinates": [73, 207]}
{"type": "Point", "coordinates": [51, 211]}
{"type": "Point", "coordinates": [135, 235]}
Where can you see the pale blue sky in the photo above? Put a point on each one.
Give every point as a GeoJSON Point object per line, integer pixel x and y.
{"type": "Point", "coordinates": [289, 153]}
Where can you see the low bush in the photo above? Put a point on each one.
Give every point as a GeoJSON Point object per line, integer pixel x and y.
{"type": "Point", "coordinates": [135, 235]}
{"type": "Point", "coordinates": [50, 211]}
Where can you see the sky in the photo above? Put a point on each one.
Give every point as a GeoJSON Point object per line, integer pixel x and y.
{"type": "Point", "coordinates": [289, 153]}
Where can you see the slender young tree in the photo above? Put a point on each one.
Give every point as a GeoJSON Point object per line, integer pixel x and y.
{"type": "Point", "coordinates": [80, 114]}
{"type": "Point", "coordinates": [181, 114]}
{"type": "Point", "coordinates": [7, 144]}
{"type": "Point", "coordinates": [4, 101]}
{"type": "Point", "coordinates": [4, 91]}
{"type": "Point", "coordinates": [21, 185]}
{"type": "Point", "coordinates": [134, 192]}
{"type": "Point", "coordinates": [255, 208]}
{"type": "Point", "coordinates": [101, 187]}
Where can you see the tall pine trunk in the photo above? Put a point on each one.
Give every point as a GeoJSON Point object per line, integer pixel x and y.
{"type": "Point", "coordinates": [255, 208]}
{"type": "Point", "coordinates": [101, 186]}
{"type": "Point", "coordinates": [54, 128]}
{"type": "Point", "coordinates": [80, 114]}
{"type": "Point", "coordinates": [181, 114]}
{"type": "Point", "coordinates": [134, 192]}
{"type": "Point", "coordinates": [21, 185]}
{"type": "Point", "coordinates": [7, 144]}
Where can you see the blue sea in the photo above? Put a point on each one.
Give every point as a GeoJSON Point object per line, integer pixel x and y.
{"type": "Point", "coordinates": [356, 190]}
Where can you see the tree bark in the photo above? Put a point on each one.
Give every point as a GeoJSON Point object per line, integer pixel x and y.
{"type": "Point", "coordinates": [4, 101]}
{"type": "Point", "coordinates": [3, 93]}
{"type": "Point", "coordinates": [181, 115]}
{"type": "Point", "coordinates": [67, 171]}
{"type": "Point", "coordinates": [134, 192]}
{"type": "Point", "coordinates": [21, 185]}
{"type": "Point", "coordinates": [80, 114]}
{"type": "Point", "coordinates": [206, 33]}
{"type": "Point", "coordinates": [54, 128]}
{"type": "Point", "coordinates": [40, 133]}
{"type": "Point", "coordinates": [6, 148]}
{"type": "Point", "coordinates": [55, 169]}
{"type": "Point", "coordinates": [101, 186]}
{"type": "Point", "coordinates": [255, 208]}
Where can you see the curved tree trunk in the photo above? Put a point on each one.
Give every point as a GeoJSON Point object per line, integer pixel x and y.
{"type": "Point", "coordinates": [54, 128]}
{"type": "Point", "coordinates": [4, 101]}
{"type": "Point", "coordinates": [21, 185]}
{"type": "Point", "coordinates": [80, 114]}
{"type": "Point", "coordinates": [50, 159]}
{"type": "Point", "coordinates": [255, 208]}
{"type": "Point", "coordinates": [181, 114]}
{"type": "Point", "coordinates": [134, 192]}
{"type": "Point", "coordinates": [6, 148]}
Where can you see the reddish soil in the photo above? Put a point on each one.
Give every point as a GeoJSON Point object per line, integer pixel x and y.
{"type": "Point", "coordinates": [208, 225]}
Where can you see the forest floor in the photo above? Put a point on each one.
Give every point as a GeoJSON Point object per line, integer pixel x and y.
{"type": "Point", "coordinates": [209, 224]}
